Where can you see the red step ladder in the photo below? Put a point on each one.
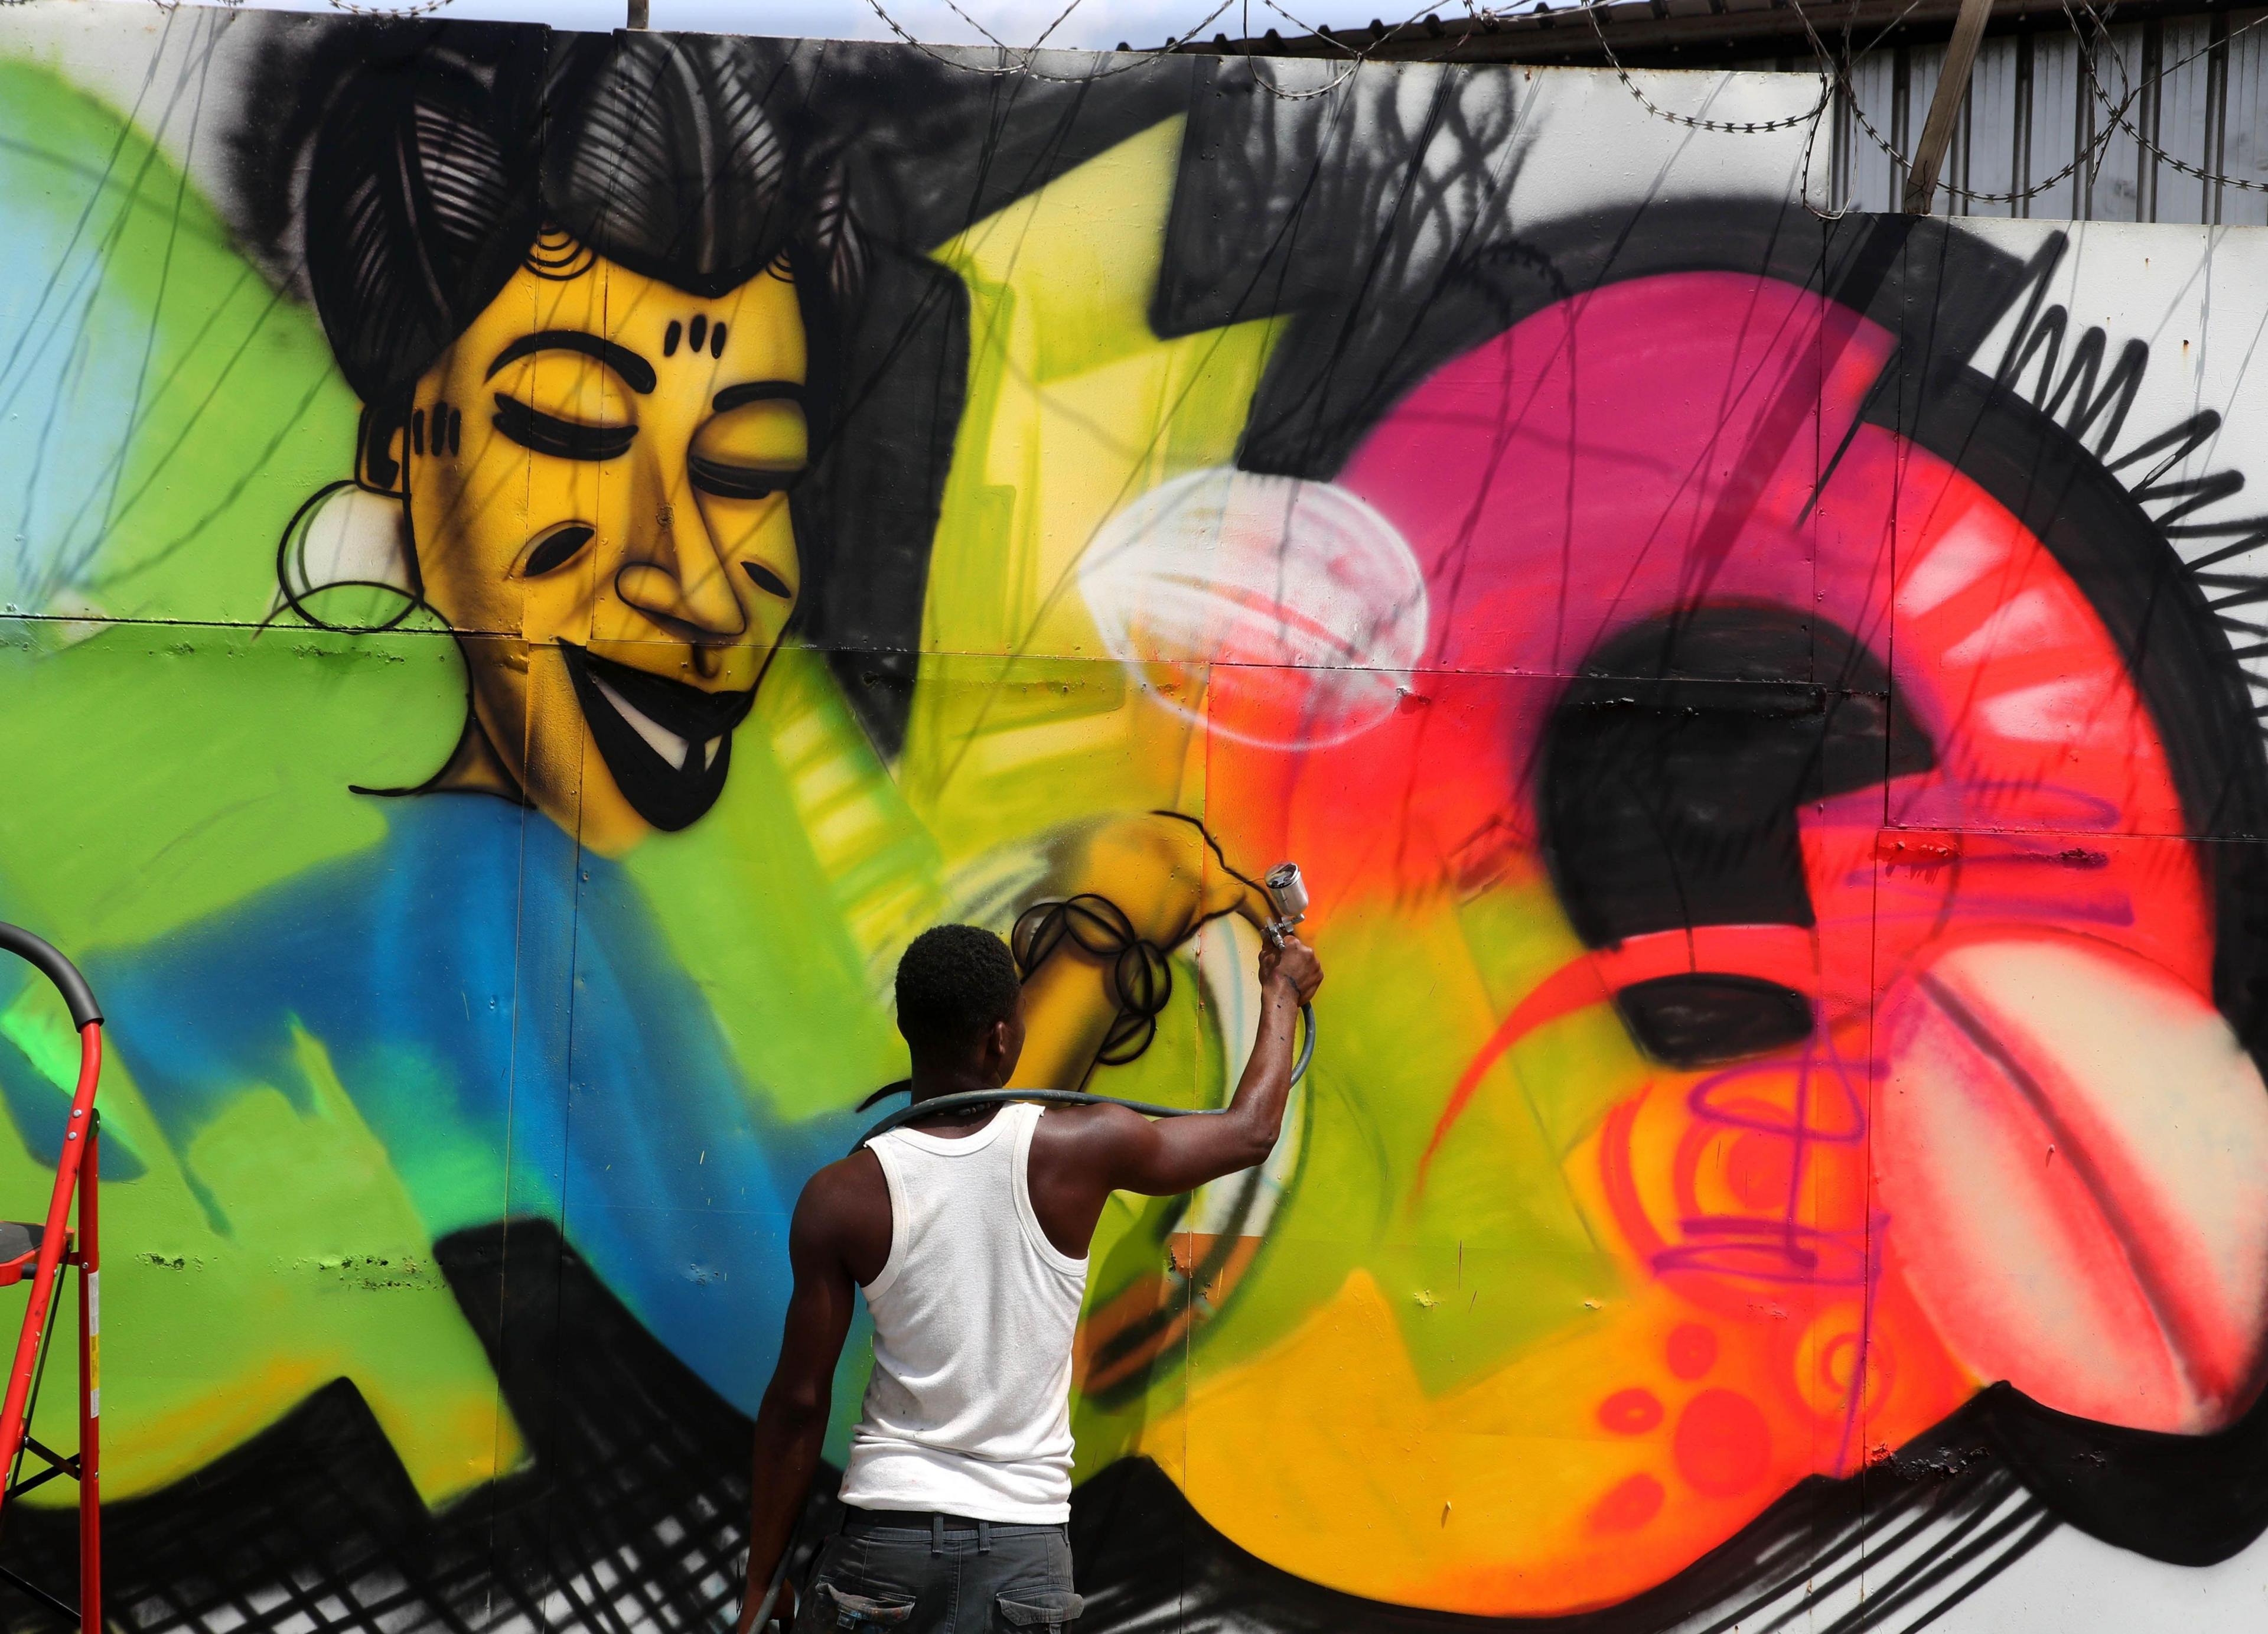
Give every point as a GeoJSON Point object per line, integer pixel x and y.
{"type": "Point", "coordinates": [41, 1252]}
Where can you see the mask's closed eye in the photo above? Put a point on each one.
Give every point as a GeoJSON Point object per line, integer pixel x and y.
{"type": "Point", "coordinates": [555, 550]}
{"type": "Point", "coordinates": [565, 439]}
{"type": "Point", "coordinates": [563, 395]}
{"type": "Point", "coordinates": [750, 450]}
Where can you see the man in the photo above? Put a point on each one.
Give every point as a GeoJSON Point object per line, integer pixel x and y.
{"type": "Point", "coordinates": [968, 1232]}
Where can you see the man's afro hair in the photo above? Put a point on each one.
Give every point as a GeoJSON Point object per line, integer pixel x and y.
{"type": "Point", "coordinates": [955, 980]}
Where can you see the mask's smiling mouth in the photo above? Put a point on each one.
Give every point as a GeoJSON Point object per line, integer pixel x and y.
{"type": "Point", "coordinates": [667, 744]}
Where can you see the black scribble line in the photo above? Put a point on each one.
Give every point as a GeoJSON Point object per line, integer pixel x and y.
{"type": "Point", "coordinates": [2173, 503]}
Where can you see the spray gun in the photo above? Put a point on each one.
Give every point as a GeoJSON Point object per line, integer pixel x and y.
{"type": "Point", "coordinates": [1287, 900]}
{"type": "Point", "coordinates": [1287, 895]}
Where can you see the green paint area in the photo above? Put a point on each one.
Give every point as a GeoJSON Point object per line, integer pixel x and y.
{"type": "Point", "coordinates": [1492, 1255]}
{"type": "Point", "coordinates": [793, 897]}
{"type": "Point", "coordinates": [1493, 1219]}
{"type": "Point", "coordinates": [181, 409]}
{"type": "Point", "coordinates": [166, 774]}
{"type": "Point", "coordinates": [322, 1271]}
{"type": "Point", "coordinates": [167, 408]}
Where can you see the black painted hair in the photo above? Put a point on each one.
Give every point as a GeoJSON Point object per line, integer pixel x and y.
{"type": "Point", "coordinates": [954, 982]}
{"type": "Point", "coordinates": [431, 174]}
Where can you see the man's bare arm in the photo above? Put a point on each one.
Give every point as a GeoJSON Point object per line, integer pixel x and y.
{"type": "Point", "coordinates": [1176, 1155]}
{"type": "Point", "coordinates": [792, 1423]}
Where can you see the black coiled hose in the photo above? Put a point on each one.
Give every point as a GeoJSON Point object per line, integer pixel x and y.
{"type": "Point", "coordinates": [1060, 1097]}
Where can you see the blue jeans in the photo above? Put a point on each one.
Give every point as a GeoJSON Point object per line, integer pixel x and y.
{"type": "Point", "coordinates": [938, 1574]}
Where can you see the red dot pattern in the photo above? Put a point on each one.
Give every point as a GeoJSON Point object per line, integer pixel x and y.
{"type": "Point", "coordinates": [1631, 1412]}
{"type": "Point", "coordinates": [1723, 1444]}
{"type": "Point", "coordinates": [1629, 1506]}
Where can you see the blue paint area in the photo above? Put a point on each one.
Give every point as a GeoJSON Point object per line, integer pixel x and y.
{"type": "Point", "coordinates": [502, 1011]}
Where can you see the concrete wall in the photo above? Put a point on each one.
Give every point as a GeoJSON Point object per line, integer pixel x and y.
{"type": "Point", "coordinates": [1769, 707]}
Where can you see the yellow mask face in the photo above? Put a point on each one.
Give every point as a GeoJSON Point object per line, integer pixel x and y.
{"type": "Point", "coordinates": [600, 467]}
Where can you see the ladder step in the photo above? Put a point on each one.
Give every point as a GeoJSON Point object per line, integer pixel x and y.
{"type": "Point", "coordinates": [19, 1247]}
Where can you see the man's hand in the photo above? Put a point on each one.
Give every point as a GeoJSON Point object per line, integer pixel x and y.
{"type": "Point", "coordinates": [1293, 962]}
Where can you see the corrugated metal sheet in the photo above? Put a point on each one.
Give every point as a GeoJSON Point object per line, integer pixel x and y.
{"type": "Point", "coordinates": [2094, 132]}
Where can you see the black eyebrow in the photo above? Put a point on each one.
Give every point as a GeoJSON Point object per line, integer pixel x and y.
{"type": "Point", "coordinates": [637, 372]}
{"type": "Point", "coordinates": [757, 392]}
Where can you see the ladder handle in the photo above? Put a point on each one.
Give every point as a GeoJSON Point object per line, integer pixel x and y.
{"type": "Point", "coordinates": [43, 956]}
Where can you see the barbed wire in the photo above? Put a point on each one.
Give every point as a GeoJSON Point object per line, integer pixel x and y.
{"type": "Point", "coordinates": [1729, 126]}
{"type": "Point", "coordinates": [1026, 68]}
{"type": "Point", "coordinates": [2088, 155]}
{"type": "Point", "coordinates": [1835, 70]}
{"type": "Point", "coordinates": [1831, 78]}
{"type": "Point", "coordinates": [1840, 68]}
{"type": "Point", "coordinates": [1026, 52]}
{"type": "Point", "coordinates": [417, 8]}
{"type": "Point", "coordinates": [1355, 56]}
{"type": "Point", "coordinates": [2118, 112]}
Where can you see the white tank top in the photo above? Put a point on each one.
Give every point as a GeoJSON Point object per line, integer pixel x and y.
{"type": "Point", "coordinates": [969, 1410]}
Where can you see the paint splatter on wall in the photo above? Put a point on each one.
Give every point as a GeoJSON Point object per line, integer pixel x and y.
{"type": "Point", "coordinates": [541, 560]}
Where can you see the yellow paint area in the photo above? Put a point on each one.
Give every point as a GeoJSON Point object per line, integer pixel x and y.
{"type": "Point", "coordinates": [1075, 407]}
{"type": "Point", "coordinates": [1649, 1426]}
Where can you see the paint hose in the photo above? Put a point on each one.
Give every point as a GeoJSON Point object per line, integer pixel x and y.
{"type": "Point", "coordinates": [1065, 1097]}
{"type": "Point", "coordinates": [1287, 895]}
{"type": "Point", "coordinates": [771, 1595]}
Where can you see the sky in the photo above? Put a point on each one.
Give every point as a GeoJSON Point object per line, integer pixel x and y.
{"type": "Point", "coordinates": [1091, 24]}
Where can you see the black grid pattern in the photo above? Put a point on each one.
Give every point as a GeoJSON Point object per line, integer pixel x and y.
{"type": "Point", "coordinates": [630, 1516]}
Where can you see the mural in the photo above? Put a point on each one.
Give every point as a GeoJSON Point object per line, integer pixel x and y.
{"type": "Point", "coordinates": [539, 560]}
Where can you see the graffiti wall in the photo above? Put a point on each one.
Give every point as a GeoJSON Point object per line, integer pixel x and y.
{"type": "Point", "coordinates": [533, 563]}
